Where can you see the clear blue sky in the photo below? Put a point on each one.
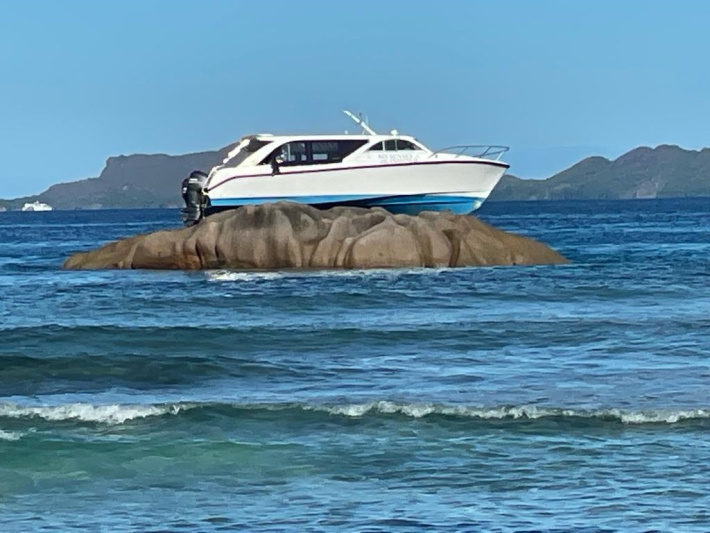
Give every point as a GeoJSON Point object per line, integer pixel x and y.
{"type": "Point", "coordinates": [555, 80]}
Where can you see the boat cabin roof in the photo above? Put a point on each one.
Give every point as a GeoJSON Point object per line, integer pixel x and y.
{"type": "Point", "coordinates": [321, 137]}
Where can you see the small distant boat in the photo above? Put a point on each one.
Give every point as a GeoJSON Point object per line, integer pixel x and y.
{"type": "Point", "coordinates": [36, 206]}
{"type": "Point", "coordinates": [393, 171]}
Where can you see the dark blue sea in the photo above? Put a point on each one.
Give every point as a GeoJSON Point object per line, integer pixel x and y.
{"type": "Point", "coordinates": [517, 399]}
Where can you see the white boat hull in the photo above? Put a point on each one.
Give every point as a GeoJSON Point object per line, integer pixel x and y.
{"type": "Point", "coordinates": [36, 206]}
{"type": "Point", "coordinates": [459, 185]}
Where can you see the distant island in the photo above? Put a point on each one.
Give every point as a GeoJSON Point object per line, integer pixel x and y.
{"type": "Point", "coordinates": [143, 181]}
{"type": "Point", "coordinates": [666, 171]}
{"type": "Point", "coordinates": [133, 181]}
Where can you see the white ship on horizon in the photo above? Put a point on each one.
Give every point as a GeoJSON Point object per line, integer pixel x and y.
{"type": "Point", "coordinates": [36, 206]}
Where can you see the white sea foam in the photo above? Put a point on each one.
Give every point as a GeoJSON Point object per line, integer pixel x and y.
{"type": "Point", "coordinates": [120, 413]}
{"type": "Point", "coordinates": [669, 417]}
{"type": "Point", "coordinates": [106, 414]}
{"type": "Point", "coordinates": [228, 275]}
{"type": "Point", "coordinates": [10, 435]}
{"type": "Point", "coordinates": [426, 409]}
{"type": "Point", "coordinates": [514, 412]}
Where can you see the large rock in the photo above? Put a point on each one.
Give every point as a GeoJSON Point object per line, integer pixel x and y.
{"type": "Point", "coordinates": [289, 235]}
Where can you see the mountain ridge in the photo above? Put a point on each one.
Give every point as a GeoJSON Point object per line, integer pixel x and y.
{"type": "Point", "coordinates": [666, 171]}
{"type": "Point", "coordinates": [127, 181]}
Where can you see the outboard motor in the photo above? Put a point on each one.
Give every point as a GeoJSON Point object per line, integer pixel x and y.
{"type": "Point", "coordinates": [194, 199]}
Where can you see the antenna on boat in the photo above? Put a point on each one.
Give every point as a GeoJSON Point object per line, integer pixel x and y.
{"type": "Point", "coordinates": [360, 121]}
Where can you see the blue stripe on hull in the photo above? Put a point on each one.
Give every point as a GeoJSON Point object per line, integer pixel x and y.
{"type": "Point", "coordinates": [409, 205]}
{"type": "Point", "coordinates": [413, 205]}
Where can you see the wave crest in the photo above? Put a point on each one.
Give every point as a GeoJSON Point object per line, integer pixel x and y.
{"type": "Point", "coordinates": [10, 435]}
{"type": "Point", "coordinates": [119, 414]}
{"type": "Point", "coordinates": [83, 412]}
{"type": "Point", "coordinates": [668, 416]}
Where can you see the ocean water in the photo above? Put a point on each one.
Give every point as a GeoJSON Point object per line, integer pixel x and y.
{"type": "Point", "coordinates": [488, 399]}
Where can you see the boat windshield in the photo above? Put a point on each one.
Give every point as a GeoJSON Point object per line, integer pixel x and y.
{"type": "Point", "coordinates": [246, 148]}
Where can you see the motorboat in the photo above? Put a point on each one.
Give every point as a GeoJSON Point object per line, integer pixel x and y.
{"type": "Point", "coordinates": [396, 172]}
{"type": "Point", "coordinates": [36, 206]}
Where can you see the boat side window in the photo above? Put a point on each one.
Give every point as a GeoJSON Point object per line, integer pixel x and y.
{"type": "Point", "coordinates": [294, 153]}
{"type": "Point", "coordinates": [313, 152]}
{"type": "Point", "coordinates": [394, 145]}
{"type": "Point", "coordinates": [405, 145]}
{"type": "Point", "coordinates": [252, 146]}
{"type": "Point", "coordinates": [333, 151]}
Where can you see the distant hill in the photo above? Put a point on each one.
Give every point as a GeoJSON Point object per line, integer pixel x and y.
{"type": "Point", "coordinates": [154, 180]}
{"type": "Point", "coordinates": [128, 181]}
{"type": "Point", "coordinates": [662, 172]}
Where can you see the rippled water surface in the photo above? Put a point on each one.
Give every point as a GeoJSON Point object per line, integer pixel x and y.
{"type": "Point", "coordinates": [492, 399]}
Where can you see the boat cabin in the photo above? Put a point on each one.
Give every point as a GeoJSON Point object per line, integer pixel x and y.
{"type": "Point", "coordinates": [283, 151]}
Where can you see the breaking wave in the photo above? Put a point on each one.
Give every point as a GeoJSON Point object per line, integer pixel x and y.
{"type": "Point", "coordinates": [119, 414]}
{"type": "Point", "coordinates": [83, 412]}
{"type": "Point", "coordinates": [516, 412]}
{"type": "Point", "coordinates": [10, 435]}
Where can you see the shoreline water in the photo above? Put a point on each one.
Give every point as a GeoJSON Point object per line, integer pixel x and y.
{"type": "Point", "coordinates": [498, 399]}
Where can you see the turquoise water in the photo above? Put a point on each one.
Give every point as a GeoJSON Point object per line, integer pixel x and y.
{"type": "Point", "coordinates": [493, 399]}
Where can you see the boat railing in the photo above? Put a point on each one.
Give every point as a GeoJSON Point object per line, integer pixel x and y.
{"type": "Point", "coordinates": [484, 151]}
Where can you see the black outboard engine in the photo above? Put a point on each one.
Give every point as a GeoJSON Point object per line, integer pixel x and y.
{"type": "Point", "coordinates": [194, 199]}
